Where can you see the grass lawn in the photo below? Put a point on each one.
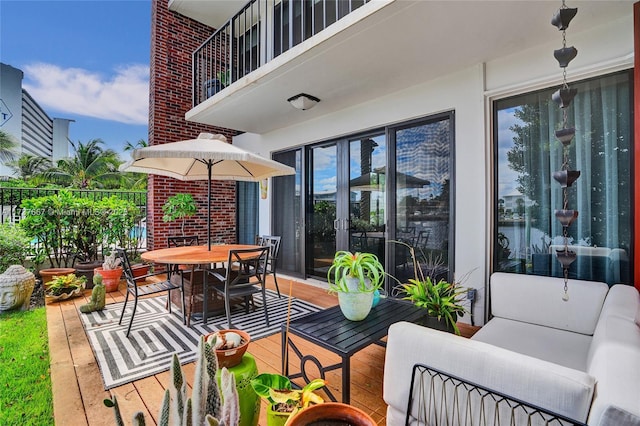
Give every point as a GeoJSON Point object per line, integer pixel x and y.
{"type": "Point", "coordinates": [25, 381]}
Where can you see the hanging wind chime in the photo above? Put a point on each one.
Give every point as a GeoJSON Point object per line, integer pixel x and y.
{"type": "Point", "coordinates": [565, 177]}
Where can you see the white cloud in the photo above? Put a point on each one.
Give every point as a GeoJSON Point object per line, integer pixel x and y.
{"type": "Point", "coordinates": [122, 96]}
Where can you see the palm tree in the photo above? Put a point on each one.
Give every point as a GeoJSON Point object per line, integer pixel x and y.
{"type": "Point", "coordinates": [136, 180]}
{"type": "Point", "coordinates": [90, 166]}
{"type": "Point", "coordinates": [29, 166]}
{"type": "Point", "coordinates": [140, 144]}
{"type": "Point", "coordinates": [7, 147]}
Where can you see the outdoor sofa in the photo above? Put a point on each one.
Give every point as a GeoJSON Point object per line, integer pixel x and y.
{"type": "Point", "coordinates": [578, 358]}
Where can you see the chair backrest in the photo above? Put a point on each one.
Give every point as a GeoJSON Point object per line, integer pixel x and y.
{"type": "Point", "coordinates": [126, 269]}
{"type": "Point", "coordinates": [185, 240]}
{"type": "Point", "coordinates": [246, 267]}
{"type": "Point", "coordinates": [273, 242]}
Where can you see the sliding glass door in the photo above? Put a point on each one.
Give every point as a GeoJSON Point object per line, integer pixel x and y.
{"type": "Point", "coordinates": [363, 191]}
{"type": "Point", "coordinates": [287, 213]}
{"type": "Point", "coordinates": [322, 202]}
{"type": "Point", "coordinates": [423, 198]}
{"type": "Point", "coordinates": [367, 195]}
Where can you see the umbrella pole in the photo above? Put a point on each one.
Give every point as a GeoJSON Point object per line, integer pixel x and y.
{"type": "Point", "coordinates": [209, 205]}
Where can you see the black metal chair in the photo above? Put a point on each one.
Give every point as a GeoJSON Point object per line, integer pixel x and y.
{"type": "Point", "coordinates": [187, 274]}
{"type": "Point", "coordinates": [185, 240]}
{"type": "Point", "coordinates": [144, 290]}
{"type": "Point", "coordinates": [244, 277]}
{"type": "Point", "coordinates": [182, 241]}
{"type": "Point", "coordinates": [273, 242]}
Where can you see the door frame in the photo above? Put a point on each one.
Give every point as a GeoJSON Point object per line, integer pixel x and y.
{"type": "Point", "coordinates": [342, 175]}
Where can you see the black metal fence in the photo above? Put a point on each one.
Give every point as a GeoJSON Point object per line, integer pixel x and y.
{"type": "Point", "coordinates": [11, 200]}
{"type": "Point", "coordinates": [259, 32]}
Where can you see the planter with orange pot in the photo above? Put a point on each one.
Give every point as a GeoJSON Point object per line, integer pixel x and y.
{"type": "Point", "coordinates": [110, 277]}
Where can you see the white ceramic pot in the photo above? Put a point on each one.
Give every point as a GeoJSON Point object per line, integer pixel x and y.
{"type": "Point", "coordinates": [353, 284]}
{"type": "Point", "coordinates": [355, 306]}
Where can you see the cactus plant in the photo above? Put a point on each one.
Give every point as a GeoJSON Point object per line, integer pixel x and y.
{"type": "Point", "coordinates": [111, 262]}
{"type": "Point", "coordinates": [204, 406]}
{"type": "Point", "coordinates": [98, 293]}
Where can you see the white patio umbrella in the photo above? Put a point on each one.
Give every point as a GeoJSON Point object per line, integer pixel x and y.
{"type": "Point", "coordinates": [206, 158]}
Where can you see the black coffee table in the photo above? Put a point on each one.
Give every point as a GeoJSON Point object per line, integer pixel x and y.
{"type": "Point", "coordinates": [330, 330]}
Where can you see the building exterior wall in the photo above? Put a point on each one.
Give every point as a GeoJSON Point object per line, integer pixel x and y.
{"type": "Point", "coordinates": [10, 106]}
{"type": "Point", "coordinates": [27, 122]}
{"type": "Point", "coordinates": [469, 93]}
{"type": "Point", "coordinates": [173, 39]}
{"type": "Point", "coordinates": [60, 138]}
{"type": "Point", "coordinates": [37, 128]}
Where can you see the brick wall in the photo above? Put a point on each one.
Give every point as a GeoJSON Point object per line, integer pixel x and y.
{"type": "Point", "coordinates": [173, 39]}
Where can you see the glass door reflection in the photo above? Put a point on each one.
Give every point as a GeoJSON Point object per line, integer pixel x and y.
{"type": "Point", "coordinates": [321, 209]}
{"type": "Point", "coordinates": [367, 195]}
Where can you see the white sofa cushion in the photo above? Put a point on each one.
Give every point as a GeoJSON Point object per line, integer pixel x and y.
{"type": "Point", "coordinates": [550, 344]}
{"type": "Point", "coordinates": [563, 390]}
{"type": "Point", "coordinates": [538, 300]}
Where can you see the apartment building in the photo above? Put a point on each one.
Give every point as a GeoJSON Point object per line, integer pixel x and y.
{"type": "Point", "coordinates": [443, 107]}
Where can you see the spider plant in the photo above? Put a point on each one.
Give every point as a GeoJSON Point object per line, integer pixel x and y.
{"type": "Point", "coordinates": [364, 268]}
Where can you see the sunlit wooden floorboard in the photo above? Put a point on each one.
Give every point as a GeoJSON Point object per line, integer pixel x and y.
{"type": "Point", "coordinates": [78, 391]}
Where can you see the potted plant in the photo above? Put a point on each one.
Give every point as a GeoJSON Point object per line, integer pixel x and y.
{"type": "Point", "coordinates": [179, 206]}
{"type": "Point", "coordinates": [88, 236]}
{"type": "Point", "coordinates": [356, 277]}
{"type": "Point", "coordinates": [65, 286]}
{"type": "Point", "coordinates": [284, 401]}
{"type": "Point", "coordinates": [443, 300]}
{"type": "Point", "coordinates": [52, 221]}
{"type": "Point", "coordinates": [331, 413]}
{"type": "Point", "coordinates": [213, 401]}
{"type": "Point", "coordinates": [111, 272]}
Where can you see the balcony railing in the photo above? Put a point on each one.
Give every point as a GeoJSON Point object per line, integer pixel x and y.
{"type": "Point", "coordinates": [261, 31]}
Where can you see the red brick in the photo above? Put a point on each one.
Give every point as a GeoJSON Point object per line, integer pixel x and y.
{"type": "Point", "coordinates": [173, 39]}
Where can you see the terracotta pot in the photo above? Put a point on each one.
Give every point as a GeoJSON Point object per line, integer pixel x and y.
{"type": "Point", "coordinates": [139, 270]}
{"type": "Point", "coordinates": [48, 274]}
{"type": "Point", "coordinates": [332, 413]}
{"type": "Point", "coordinates": [110, 278]}
{"type": "Point", "coordinates": [231, 357]}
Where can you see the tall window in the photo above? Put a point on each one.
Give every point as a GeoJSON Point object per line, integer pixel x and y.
{"type": "Point", "coordinates": [527, 231]}
{"type": "Point", "coordinates": [247, 212]}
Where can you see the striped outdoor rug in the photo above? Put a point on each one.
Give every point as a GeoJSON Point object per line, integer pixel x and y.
{"type": "Point", "coordinates": [156, 335]}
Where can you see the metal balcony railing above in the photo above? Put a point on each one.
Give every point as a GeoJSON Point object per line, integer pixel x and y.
{"type": "Point", "coordinates": [261, 31]}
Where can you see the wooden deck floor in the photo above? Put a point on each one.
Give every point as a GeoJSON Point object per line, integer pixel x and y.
{"type": "Point", "coordinates": [78, 391]}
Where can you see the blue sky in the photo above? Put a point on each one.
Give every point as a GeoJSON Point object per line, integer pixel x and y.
{"type": "Point", "coordinates": [84, 60]}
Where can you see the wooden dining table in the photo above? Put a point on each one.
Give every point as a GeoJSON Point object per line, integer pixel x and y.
{"type": "Point", "coordinates": [195, 255]}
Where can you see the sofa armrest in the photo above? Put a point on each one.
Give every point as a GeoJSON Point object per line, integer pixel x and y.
{"type": "Point", "coordinates": [562, 390]}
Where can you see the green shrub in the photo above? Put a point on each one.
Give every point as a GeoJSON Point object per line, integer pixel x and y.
{"type": "Point", "coordinates": [69, 224]}
{"type": "Point", "coordinates": [14, 246]}
{"type": "Point", "coordinates": [121, 217]}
